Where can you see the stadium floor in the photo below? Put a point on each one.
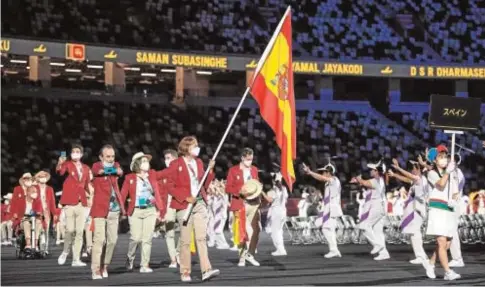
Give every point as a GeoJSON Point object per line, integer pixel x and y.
{"type": "Point", "coordinates": [304, 265]}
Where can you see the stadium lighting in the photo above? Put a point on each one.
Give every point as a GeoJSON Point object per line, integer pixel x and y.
{"type": "Point", "coordinates": [57, 64]}
{"type": "Point", "coordinates": [89, 77]}
{"type": "Point", "coordinates": [131, 69]}
{"type": "Point", "coordinates": [168, 70]}
{"type": "Point", "coordinates": [18, 61]}
{"type": "Point", "coordinates": [73, 70]}
{"type": "Point", "coordinates": [148, 74]}
{"type": "Point", "coordinates": [11, 72]}
{"type": "Point", "coordinates": [28, 67]}
{"type": "Point", "coordinates": [95, 67]}
{"type": "Point", "coordinates": [204, 73]}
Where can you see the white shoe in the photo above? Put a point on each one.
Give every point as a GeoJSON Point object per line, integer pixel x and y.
{"type": "Point", "coordinates": [96, 276]}
{"type": "Point", "coordinates": [376, 250]}
{"type": "Point", "coordinates": [332, 254]}
{"type": "Point", "coordinates": [242, 262]}
{"type": "Point", "coordinates": [456, 263]}
{"type": "Point", "coordinates": [211, 244]}
{"type": "Point", "coordinates": [250, 259]}
{"type": "Point", "coordinates": [62, 258]}
{"type": "Point", "coordinates": [210, 274]}
{"type": "Point", "coordinates": [279, 253]}
{"type": "Point", "coordinates": [452, 275]}
{"type": "Point", "coordinates": [146, 270]}
{"type": "Point", "coordinates": [58, 242]}
{"type": "Point", "coordinates": [4, 242]}
{"type": "Point", "coordinates": [78, 263]}
{"type": "Point", "coordinates": [416, 261]}
{"type": "Point", "coordinates": [223, 247]}
{"type": "Point", "coordinates": [383, 255]}
{"type": "Point", "coordinates": [429, 269]}
{"type": "Point", "coordinates": [234, 248]}
{"type": "Point", "coordinates": [172, 265]}
{"type": "Point", "coordinates": [105, 273]}
{"type": "Point", "coordinates": [85, 254]}
{"type": "Point", "coordinates": [185, 278]}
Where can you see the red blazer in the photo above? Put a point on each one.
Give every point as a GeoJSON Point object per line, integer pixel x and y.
{"type": "Point", "coordinates": [18, 200]}
{"type": "Point", "coordinates": [129, 188]}
{"type": "Point", "coordinates": [102, 191]}
{"type": "Point", "coordinates": [234, 183]}
{"type": "Point", "coordinates": [74, 189]}
{"type": "Point", "coordinates": [164, 185]}
{"type": "Point", "coordinates": [178, 173]}
{"type": "Point", "coordinates": [5, 212]}
{"type": "Point", "coordinates": [57, 214]}
{"type": "Point", "coordinates": [49, 198]}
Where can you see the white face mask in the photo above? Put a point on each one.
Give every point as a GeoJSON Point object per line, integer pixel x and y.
{"type": "Point", "coordinates": [28, 183]}
{"type": "Point", "coordinates": [145, 166]}
{"type": "Point", "coordinates": [33, 195]}
{"type": "Point", "coordinates": [442, 162]}
{"type": "Point", "coordinates": [247, 163]}
{"type": "Point", "coordinates": [195, 151]}
{"type": "Point", "coordinates": [167, 163]}
{"type": "Point", "coordinates": [42, 180]}
{"type": "Point", "coordinates": [7, 202]}
{"type": "Point", "coordinates": [108, 164]}
{"type": "Point", "coordinates": [75, 156]}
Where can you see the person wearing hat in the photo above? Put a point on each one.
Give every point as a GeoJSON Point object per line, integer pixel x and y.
{"type": "Point", "coordinates": [48, 201]}
{"type": "Point", "coordinates": [169, 214]}
{"type": "Point", "coordinates": [30, 206]}
{"type": "Point", "coordinates": [144, 207]}
{"type": "Point", "coordinates": [414, 207]}
{"type": "Point", "coordinates": [106, 209]}
{"type": "Point", "coordinates": [332, 208]}
{"type": "Point", "coordinates": [441, 221]}
{"type": "Point", "coordinates": [74, 199]}
{"type": "Point", "coordinates": [372, 221]}
{"type": "Point", "coordinates": [6, 226]}
{"type": "Point", "coordinates": [19, 194]}
{"type": "Point", "coordinates": [277, 197]}
{"type": "Point", "coordinates": [245, 212]}
{"type": "Point", "coordinates": [185, 174]}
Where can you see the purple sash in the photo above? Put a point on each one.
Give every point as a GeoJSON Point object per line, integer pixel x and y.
{"type": "Point", "coordinates": [407, 220]}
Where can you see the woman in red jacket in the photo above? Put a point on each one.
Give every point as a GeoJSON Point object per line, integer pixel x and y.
{"type": "Point", "coordinates": [185, 174]}
{"type": "Point", "coordinates": [143, 208]}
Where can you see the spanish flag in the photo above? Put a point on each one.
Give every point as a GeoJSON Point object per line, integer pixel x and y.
{"type": "Point", "coordinates": [272, 88]}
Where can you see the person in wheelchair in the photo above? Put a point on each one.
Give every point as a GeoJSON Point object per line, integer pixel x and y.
{"type": "Point", "coordinates": [28, 208]}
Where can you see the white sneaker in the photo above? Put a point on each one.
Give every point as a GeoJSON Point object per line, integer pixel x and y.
{"type": "Point", "coordinates": [58, 242]}
{"type": "Point", "coordinates": [416, 261]}
{"type": "Point", "coordinates": [105, 273]}
{"type": "Point", "coordinates": [62, 258]}
{"type": "Point", "coordinates": [96, 276]}
{"type": "Point", "coordinates": [452, 275]}
{"type": "Point", "coordinates": [222, 247]}
{"type": "Point", "coordinates": [78, 263]}
{"type": "Point", "coordinates": [185, 278]}
{"type": "Point", "coordinates": [234, 248]}
{"type": "Point", "coordinates": [85, 254]}
{"type": "Point", "coordinates": [242, 262]}
{"type": "Point", "coordinates": [250, 259]}
{"type": "Point", "coordinates": [383, 255]}
{"type": "Point", "coordinates": [146, 270]}
{"type": "Point", "coordinates": [211, 244]}
{"type": "Point", "coordinates": [376, 250]}
{"type": "Point", "coordinates": [4, 242]}
{"type": "Point", "coordinates": [210, 274]}
{"type": "Point", "coordinates": [279, 253]}
{"type": "Point", "coordinates": [332, 254]}
{"type": "Point", "coordinates": [429, 269]}
{"type": "Point", "coordinates": [456, 263]}
{"type": "Point", "coordinates": [172, 265]}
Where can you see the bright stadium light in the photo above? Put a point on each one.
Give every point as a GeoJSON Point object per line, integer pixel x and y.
{"type": "Point", "coordinates": [99, 67]}
{"type": "Point", "coordinates": [18, 61]}
{"type": "Point", "coordinates": [148, 74]}
{"type": "Point", "coordinates": [28, 67]}
{"type": "Point", "coordinates": [57, 64]}
{"type": "Point", "coordinates": [131, 69]}
{"type": "Point", "coordinates": [204, 73]}
{"type": "Point", "coordinates": [73, 70]}
{"type": "Point", "coordinates": [168, 71]}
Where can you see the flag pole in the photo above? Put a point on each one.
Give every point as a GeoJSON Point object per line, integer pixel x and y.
{"type": "Point", "coordinates": [229, 126]}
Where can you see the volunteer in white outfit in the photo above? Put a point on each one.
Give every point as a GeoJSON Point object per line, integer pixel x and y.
{"type": "Point", "coordinates": [414, 207]}
{"type": "Point", "coordinates": [361, 201]}
{"type": "Point", "coordinates": [332, 208]}
{"type": "Point", "coordinates": [455, 247]}
{"type": "Point", "coordinates": [400, 198]}
{"type": "Point", "coordinates": [277, 196]}
{"type": "Point", "coordinates": [441, 224]}
{"type": "Point", "coordinates": [372, 221]}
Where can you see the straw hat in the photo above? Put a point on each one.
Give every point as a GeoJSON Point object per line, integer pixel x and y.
{"type": "Point", "coordinates": [139, 155]}
{"type": "Point", "coordinates": [329, 167]}
{"type": "Point", "coordinates": [43, 173]}
{"type": "Point", "coordinates": [25, 176]}
{"type": "Point", "coordinates": [253, 189]}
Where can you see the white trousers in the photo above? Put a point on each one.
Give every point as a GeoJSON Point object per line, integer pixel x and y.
{"type": "Point", "coordinates": [7, 230]}
{"type": "Point", "coordinates": [455, 247]}
{"type": "Point", "coordinates": [330, 234]}
{"type": "Point", "coordinates": [278, 218]}
{"type": "Point", "coordinates": [417, 244]}
{"type": "Point", "coordinates": [373, 227]}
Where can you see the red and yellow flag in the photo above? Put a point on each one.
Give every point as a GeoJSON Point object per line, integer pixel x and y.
{"type": "Point", "coordinates": [272, 88]}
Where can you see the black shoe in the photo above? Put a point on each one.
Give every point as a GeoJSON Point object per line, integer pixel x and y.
{"type": "Point", "coordinates": [129, 264]}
